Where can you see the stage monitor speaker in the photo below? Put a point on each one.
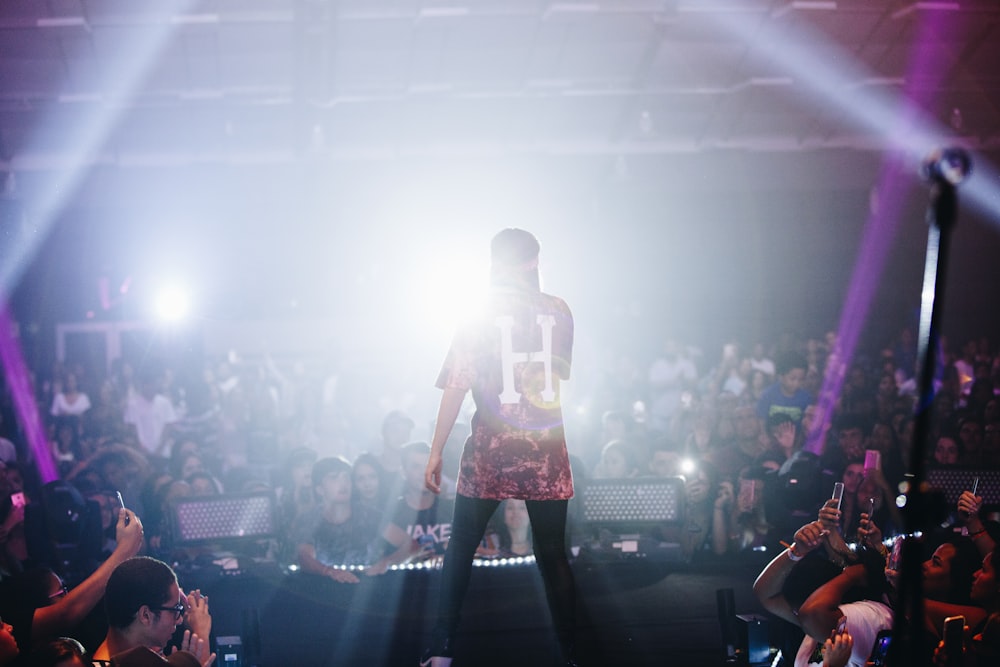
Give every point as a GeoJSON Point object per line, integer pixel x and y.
{"type": "Point", "coordinates": [223, 519]}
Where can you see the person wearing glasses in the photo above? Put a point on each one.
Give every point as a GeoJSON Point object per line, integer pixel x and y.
{"type": "Point", "coordinates": [144, 605]}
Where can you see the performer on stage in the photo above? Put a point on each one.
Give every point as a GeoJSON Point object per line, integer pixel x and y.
{"type": "Point", "coordinates": [512, 355]}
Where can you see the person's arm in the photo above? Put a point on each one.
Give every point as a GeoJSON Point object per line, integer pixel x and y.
{"type": "Point", "coordinates": [309, 563]}
{"type": "Point", "coordinates": [771, 580]}
{"type": "Point", "coordinates": [61, 617]}
{"type": "Point", "coordinates": [720, 518]}
{"type": "Point", "coordinates": [935, 612]}
{"type": "Point", "coordinates": [406, 547]}
{"type": "Point", "coordinates": [970, 505]}
{"type": "Point", "coordinates": [451, 405]}
{"type": "Point", "coordinates": [820, 613]}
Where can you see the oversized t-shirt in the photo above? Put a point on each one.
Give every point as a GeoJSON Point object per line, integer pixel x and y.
{"type": "Point", "coordinates": [512, 356]}
{"type": "Point", "coordinates": [430, 527]}
{"type": "Point", "coordinates": [349, 543]}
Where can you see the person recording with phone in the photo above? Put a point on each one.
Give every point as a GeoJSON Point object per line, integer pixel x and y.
{"type": "Point", "coordinates": [969, 506]}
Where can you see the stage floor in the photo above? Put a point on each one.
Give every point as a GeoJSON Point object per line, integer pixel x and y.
{"type": "Point", "coordinates": [631, 613]}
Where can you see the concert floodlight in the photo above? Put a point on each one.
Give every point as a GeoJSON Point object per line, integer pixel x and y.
{"type": "Point", "coordinates": [632, 502]}
{"type": "Point", "coordinates": [172, 304]}
{"type": "Point", "coordinates": [228, 518]}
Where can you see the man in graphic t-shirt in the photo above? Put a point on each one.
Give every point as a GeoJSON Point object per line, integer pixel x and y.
{"type": "Point", "coordinates": [419, 524]}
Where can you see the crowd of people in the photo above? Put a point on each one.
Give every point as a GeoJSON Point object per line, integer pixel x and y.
{"type": "Point", "coordinates": [759, 439]}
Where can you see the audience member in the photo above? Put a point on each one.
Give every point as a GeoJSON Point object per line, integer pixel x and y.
{"type": "Point", "coordinates": [144, 605]}
{"type": "Point", "coordinates": [338, 532]}
{"type": "Point", "coordinates": [61, 652]}
{"type": "Point", "coordinates": [786, 395]}
{"type": "Point", "coordinates": [151, 413]}
{"type": "Point", "coordinates": [670, 376]}
{"type": "Point", "coordinates": [37, 623]}
{"type": "Point", "coordinates": [514, 532]}
{"type": "Point", "coordinates": [369, 483]}
{"type": "Point", "coordinates": [618, 461]}
{"type": "Point", "coordinates": [69, 401]}
{"type": "Point", "coordinates": [419, 524]}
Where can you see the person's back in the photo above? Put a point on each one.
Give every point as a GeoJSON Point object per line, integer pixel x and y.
{"type": "Point", "coordinates": [516, 434]}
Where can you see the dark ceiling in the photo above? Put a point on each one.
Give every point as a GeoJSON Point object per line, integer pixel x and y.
{"type": "Point", "coordinates": [140, 84]}
{"type": "Point", "coordinates": [260, 114]}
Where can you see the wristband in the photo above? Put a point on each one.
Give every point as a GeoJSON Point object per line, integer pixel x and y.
{"type": "Point", "coordinates": [792, 556]}
{"type": "Point", "coordinates": [977, 533]}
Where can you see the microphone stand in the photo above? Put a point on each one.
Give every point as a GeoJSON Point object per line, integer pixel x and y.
{"type": "Point", "coordinates": [945, 170]}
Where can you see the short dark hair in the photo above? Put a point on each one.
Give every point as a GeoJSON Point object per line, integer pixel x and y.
{"type": "Point", "coordinates": [56, 651]}
{"type": "Point", "coordinates": [139, 581]}
{"type": "Point", "coordinates": [789, 360]}
{"type": "Point", "coordinates": [328, 465]}
{"type": "Point", "coordinates": [418, 447]}
{"type": "Point", "coordinates": [513, 246]}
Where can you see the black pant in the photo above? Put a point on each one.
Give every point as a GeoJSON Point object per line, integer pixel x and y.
{"type": "Point", "coordinates": [548, 529]}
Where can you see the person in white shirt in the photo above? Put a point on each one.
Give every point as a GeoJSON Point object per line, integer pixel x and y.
{"type": "Point", "coordinates": [151, 413]}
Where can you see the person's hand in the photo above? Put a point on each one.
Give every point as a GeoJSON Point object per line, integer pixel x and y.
{"type": "Point", "coordinates": [829, 515]}
{"type": "Point", "coordinates": [196, 646]}
{"type": "Point", "coordinates": [197, 616]}
{"type": "Point", "coordinates": [784, 433]}
{"type": "Point", "coordinates": [837, 649]}
{"type": "Point", "coordinates": [877, 476]}
{"type": "Point", "coordinates": [378, 568]}
{"type": "Point", "coordinates": [809, 537]}
{"type": "Point", "coordinates": [432, 475]}
{"type": "Point", "coordinates": [969, 505]}
{"type": "Point", "coordinates": [725, 497]}
{"type": "Point", "coordinates": [868, 532]}
{"type": "Point", "coordinates": [343, 576]}
{"type": "Point", "coordinates": [128, 533]}
{"type": "Point", "coordinates": [15, 517]}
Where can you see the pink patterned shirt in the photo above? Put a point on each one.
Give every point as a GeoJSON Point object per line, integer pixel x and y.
{"type": "Point", "coordinates": [513, 356]}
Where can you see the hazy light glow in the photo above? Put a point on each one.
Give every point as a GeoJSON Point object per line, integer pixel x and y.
{"type": "Point", "coordinates": [688, 466]}
{"type": "Point", "coordinates": [173, 304]}
{"type": "Point", "coordinates": [829, 73]}
{"type": "Point", "coordinates": [445, 289]}
{"type": "Point", "coordinates": [90, 131]}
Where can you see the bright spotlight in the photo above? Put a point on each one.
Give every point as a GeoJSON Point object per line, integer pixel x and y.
{"type": "Point", "coordinates": [172, 305]}
{"type": "Point", "coordinates": [447, 291]}
{"type": "Point", "coordinates": [688, 466]}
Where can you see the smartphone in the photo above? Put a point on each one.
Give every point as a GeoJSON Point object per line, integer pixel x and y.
{"type": "Point", "coordinates": [838, 492]}
{"type": "Point", "coordinates": [881, 648]}
{"type": "Point", "coordinates": [954, 638]}
{"type": "Point", "coordinates": [17, 499]}
{"type": "Point", "coordinates": [873, 459]}
{"type": "Point", "coordinates": [121, 503]}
